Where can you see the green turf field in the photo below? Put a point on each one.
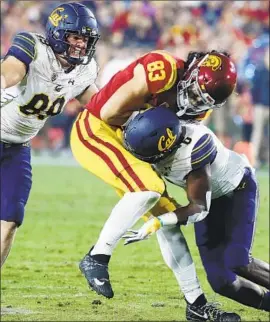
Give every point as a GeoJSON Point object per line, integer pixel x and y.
{"type": "Point", "coordinates": [67, 208]}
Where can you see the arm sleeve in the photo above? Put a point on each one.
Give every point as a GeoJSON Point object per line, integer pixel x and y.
{"type": "Point", "coordinates": [160, 70]}
{"type": "Point", "coordinates": [23, 47]}
{"type": "Point", "coordinates": [204, 152]}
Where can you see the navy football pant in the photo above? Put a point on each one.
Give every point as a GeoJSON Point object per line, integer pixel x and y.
{"type": "Point", "coordinates": [225, 236]}
{"type": "Point", "coordinates": [16, 181]}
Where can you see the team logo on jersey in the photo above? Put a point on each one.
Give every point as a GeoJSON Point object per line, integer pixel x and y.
{"type": "Point", "coordinates": [166, 142]}
{"type": "Point", "coordinates": [212, 61]}
{"type": "Point", "coordinates": [58, 88]}
{"type": "Point", "coordinates": [56, 17]}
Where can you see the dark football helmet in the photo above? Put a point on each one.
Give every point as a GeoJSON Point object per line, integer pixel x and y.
{"type": "Point", "coordinates": [152, 135]}
{"type": "Point", "coordinates": [207, 84]}
{"type": "Point", "coordinates": [72, 18]}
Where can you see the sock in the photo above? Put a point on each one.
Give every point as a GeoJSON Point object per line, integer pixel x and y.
{"type": "Point", "coordinates": [177, 256]}
{"type": "Point", "coordinates": [124, 215]}
{"type": "Point", "coordinates": [201, 300]}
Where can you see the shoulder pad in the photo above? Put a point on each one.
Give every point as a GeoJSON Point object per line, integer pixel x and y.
{"type": "Point", "coordinates": [23, 48]}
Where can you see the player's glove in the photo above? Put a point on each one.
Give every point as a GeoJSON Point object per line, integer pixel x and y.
{"type": "Point", "coordinates": [144, 232]}
{"type": "Point", "coordinates": [5, 97]}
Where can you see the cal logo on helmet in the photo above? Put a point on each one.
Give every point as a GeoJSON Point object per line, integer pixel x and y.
{"type": "Point", "coordinates": [166, 142]}
{"type": "Point", "coordinates": [154, 134]}
{"type": "Point", "coordinates": [55, 17]}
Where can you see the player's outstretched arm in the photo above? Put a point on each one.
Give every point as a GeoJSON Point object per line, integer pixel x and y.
{"type": "Point", "coordinates": [199, 196]}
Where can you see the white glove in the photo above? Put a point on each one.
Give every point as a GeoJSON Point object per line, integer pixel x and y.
{"type": "Point", "coordinates": [144, 232]}
{"type": "Point", "coordinates": [5, 97]}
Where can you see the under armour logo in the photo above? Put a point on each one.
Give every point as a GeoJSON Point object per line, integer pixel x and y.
{"type": "Point", "coordinates": [71, 81]}
{"type": "Point", "coordinates": [58, 88]}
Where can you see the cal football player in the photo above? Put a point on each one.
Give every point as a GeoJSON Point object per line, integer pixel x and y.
{"type": "Point", "coordinates": [190, 89]}
{"type": "Point", "coordinates": [48, 71]}
{"type": "Point", "coordinates": [223, 197]}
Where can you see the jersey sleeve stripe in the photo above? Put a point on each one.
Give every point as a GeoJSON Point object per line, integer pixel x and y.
{"type": "Point", "coordinates": [201, 143]}
{"type": "Point", "coordinates": [26, 41]}
{"type": "Point", "coordinates": [212, 151]}
{"type": "Point", "coordinates": [24, 50]}
{"type": "Point", "coordinates": [27, 38]}
{"type": "Point", "coordinates": [204, 152]}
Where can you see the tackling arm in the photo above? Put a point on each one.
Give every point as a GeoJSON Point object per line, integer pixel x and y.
{"type": "Point", "coordinates": [199, 196]}
{"type": "Point", "coordinates": [131, 94]}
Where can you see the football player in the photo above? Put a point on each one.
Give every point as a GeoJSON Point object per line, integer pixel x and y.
{"type": "Point", "coordinates": [222, 192]}
{"type": "Point", "coordinates": [48, 72]}
{"type": "Point", "coordinates": [190, 89]}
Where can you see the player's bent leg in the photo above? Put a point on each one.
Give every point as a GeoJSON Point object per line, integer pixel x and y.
{"type": "Point", "coordinates": [177, 256]}
{"type": "Point", "coordinates": [8, 231]}
{"type": "Point", "coordinates": [98, 149]}
{"type": "Point", "coordinates": [256, 271]}
{"type": "Point", "coordinates": [94, 265]}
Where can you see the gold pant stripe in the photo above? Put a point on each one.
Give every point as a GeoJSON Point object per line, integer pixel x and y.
{"type": "Point", "coordinates": [119, 155]}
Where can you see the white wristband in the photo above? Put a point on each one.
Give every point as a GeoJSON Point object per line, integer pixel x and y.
{"type": "Point", "coordinates": [168, 219]}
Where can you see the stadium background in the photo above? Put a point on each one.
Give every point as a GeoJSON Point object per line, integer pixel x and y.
{"type": "Point", "coordinates": [131, 28]}
{"type": "Point", "coordinates": [67, 206]}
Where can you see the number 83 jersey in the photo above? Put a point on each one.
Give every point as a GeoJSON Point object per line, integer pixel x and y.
{"type": "Point", "coordinates": [43, 92]}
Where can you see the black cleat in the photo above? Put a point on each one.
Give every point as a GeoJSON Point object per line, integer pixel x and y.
{"type": "Point", "coordinates": [209, 312]}
{"type": "Point", "coordinates": [96, 273]}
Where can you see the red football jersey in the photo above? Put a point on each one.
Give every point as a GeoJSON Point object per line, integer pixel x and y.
{"type": "Point", "coordinates": [160, 71]}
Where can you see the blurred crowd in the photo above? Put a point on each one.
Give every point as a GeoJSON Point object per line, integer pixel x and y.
{"type": "Point", "coordinates": [130, 28]}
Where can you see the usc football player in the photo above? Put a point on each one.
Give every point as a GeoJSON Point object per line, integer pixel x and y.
{"type": "Point", "coordinates": [191, 89]}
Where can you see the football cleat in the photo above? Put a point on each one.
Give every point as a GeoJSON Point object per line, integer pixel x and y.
{"type": "Point", "coordinates": [209, 312]}
{"type": "Point", "coordinates": [96, 273]}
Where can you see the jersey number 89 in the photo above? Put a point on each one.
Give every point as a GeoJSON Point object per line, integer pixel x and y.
{"type": "Point", "coordinates": [40, 106]}
{"type": "Point", "coordinates": [156, 71]}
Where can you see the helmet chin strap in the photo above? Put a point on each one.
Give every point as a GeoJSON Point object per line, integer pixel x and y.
{"type": "Point", "coordinates": [181, 112]}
